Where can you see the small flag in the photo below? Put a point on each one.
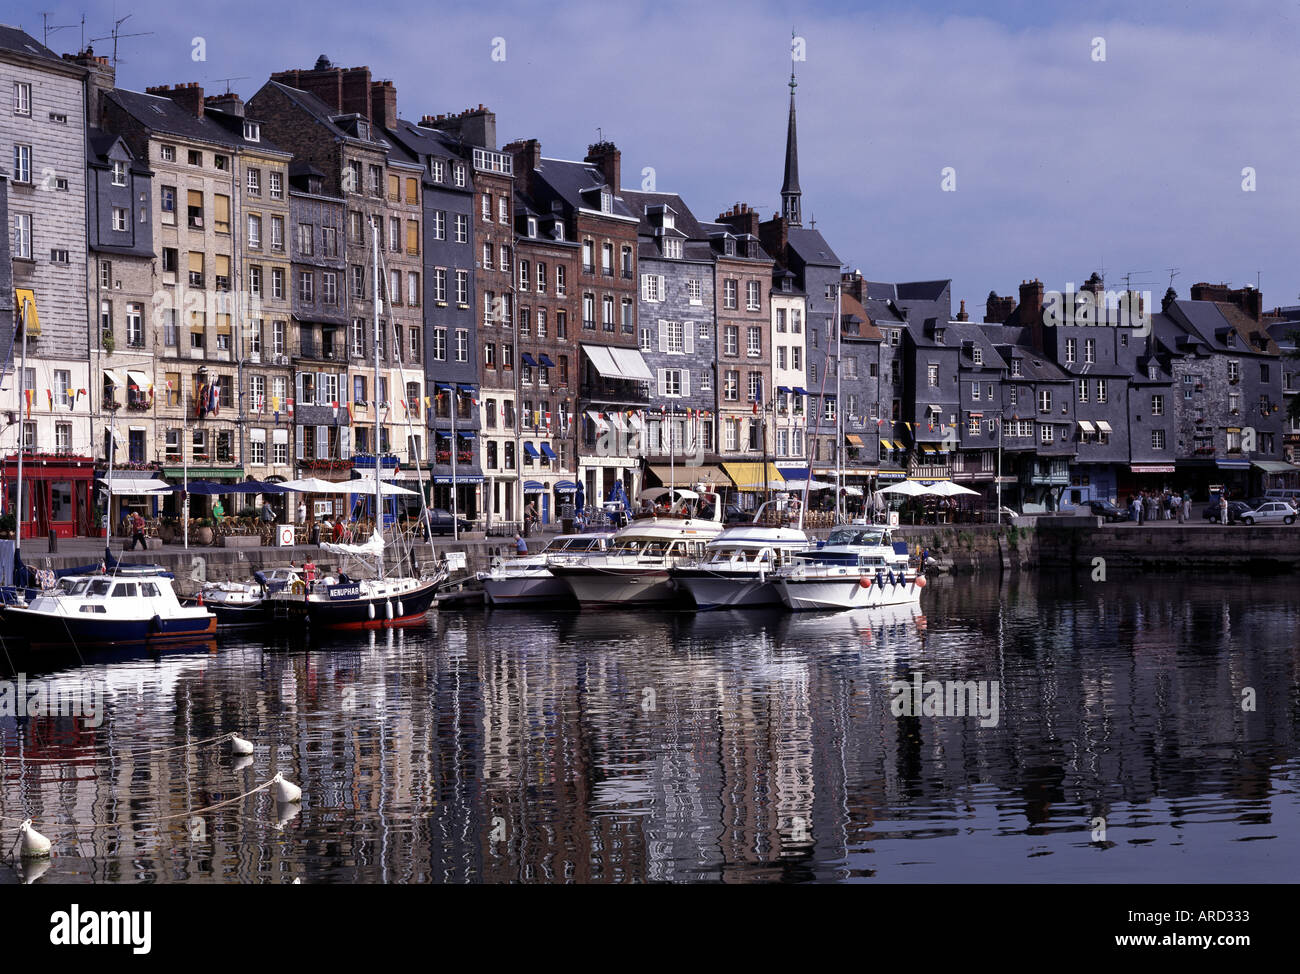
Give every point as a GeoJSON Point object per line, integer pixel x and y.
{"type": "Point", "coordinates": [28, 394]}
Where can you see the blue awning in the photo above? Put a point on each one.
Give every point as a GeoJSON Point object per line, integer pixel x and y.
{"type": "Point", "coordinates": [442, 386]}
{"type": "Point", "coordinates": [1233, 464]}
{"type": "Point", "coordinates": [465, 434]}
{"type": "Point", "coordinates": [531, 451]}
{"type": "Point", "coordinates": [466, 388]}
{"type": "Point", "coordinates": [782, 388]}
{"type": "Point", "coordinates": [547, 363]}
{"type": "Point", "coordinates": [533, 487]}
{"type": "Point", "coordinates": [528, 360]}
{"type": "Point", "coordinates": [800, 391]}
{"type": "Point", "coordinates": [565, 485]}
{"type": "Point", "coordinates": [548, 452]}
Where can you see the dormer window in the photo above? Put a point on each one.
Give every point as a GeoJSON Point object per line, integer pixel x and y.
{"type": "Point", "coordinates": [786, 285]}
{"type": "Point", "coordinates": [1015, 366]}
{"type": "Point", "coordinates": [977, 355]}
{"type": "Point", "coordinates": [363, 129]}
{"type": "Point", "coordinates": [938, 336]}
{"type": "Point", "coordinates": [1153, 371]}
{"type": "Point", "coordinates": [252, 131]}
{"type": "Point", "coordinates": [436, 170]}
{"type": "Point", "coordinates": [673, 248]}
{"type": "Point", "coordinates": [119, 173]}
{"type": "Point", "coordinates": [606, 201]}
{"type": "Point", "coordinates": [458, 174]}
{"type": "Point", "coordinates": [532, 226]}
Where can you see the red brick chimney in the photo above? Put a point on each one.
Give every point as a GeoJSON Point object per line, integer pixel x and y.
{"type": "Point", "coordinates": [346, 90]}
{"type": "Point", "coordinates": [102, 78]}
{"type": "Point", "coordinates": [1247, 298]}
{"type": "Point", "coordinates": [189, 96]}
{"type": "Point", "coordinates": [962, 315]}
{"type": "Point", "coordinates": [230, 103]}
{"type": "Point", "coordinates": [606, 157]}
{"type": "Point", "coordinates": [854, 285]}
{"type": "Point", "coordinates": [998, 309]}
{"type": "Point", "coordinates": [527, 156]}
{"type": "Point", "coordinates": [742, 218]}
{"type": "Point", "coordinates": [383, 104]}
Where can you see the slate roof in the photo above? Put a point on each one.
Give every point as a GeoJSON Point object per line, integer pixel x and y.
{"type": "Point", "coordinates": [812, 247]}
{"type": "Point", "coordinates": [20, 42]}
{"type": "Point", "coordinates": [851, 307]}
{"type": "Point", "coordinates": [960, 333]}
{"type": "Point", "coordinates": [1207, 319]}
{"type": "Point", "coordinates": [568, 181]}
{"type": "Point", "coordinates": [160, 114]}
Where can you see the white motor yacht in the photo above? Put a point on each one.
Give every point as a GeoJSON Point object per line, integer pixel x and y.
{"type": "Point", "coordinates": [635, 569]}
{"type": "Point", "coordinates": [528, 580]}
{"type": "Point", "coordinates": [860, 565]}
{"type": "Point", "coordinates": [739, 564]}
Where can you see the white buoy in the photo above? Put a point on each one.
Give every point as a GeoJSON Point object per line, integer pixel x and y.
{"type": "Point", "coordinates": [286, 791]}
{"type": "Point", "coordinates": [34, 845]}
{"type": "Point", "coordinates": [241, 762]}
{"type": "Point", "coordinates": [240, 746]}
{"type": "Point", "coordinates": [286, 812]}
{"type": "Point", "coordinates": [34, 869]}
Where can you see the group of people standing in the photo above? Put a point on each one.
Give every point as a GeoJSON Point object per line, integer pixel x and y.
{"type": "Point", "coordinates": [1156, 505]}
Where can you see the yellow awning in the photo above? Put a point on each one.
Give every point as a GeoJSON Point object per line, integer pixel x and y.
{"type": "Point", "coordinates": [749, 476]}
{"type": "Point", "coordinates": [683, 475]}
{"type": "Point", "coordinates": [26, 304]}
{"type": "Point", "coordinates": [853, 439]}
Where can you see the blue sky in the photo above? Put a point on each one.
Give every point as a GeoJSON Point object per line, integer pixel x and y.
{"type": "Point", "coordinates": [1063, 164]}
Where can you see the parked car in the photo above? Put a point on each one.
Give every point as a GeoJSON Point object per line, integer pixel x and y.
{"type": "Point", "coordinates": [440, 521]}
{"type": "Point", "coordinates": [1108, 511]}
{"type": "Point", "coordinates": [1235, 510]}
{"type": "Point", "coordinates": [1270, 513]}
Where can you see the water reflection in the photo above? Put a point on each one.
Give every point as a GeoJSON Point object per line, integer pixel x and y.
{"type": "Point", "coordinates": [721, 746]}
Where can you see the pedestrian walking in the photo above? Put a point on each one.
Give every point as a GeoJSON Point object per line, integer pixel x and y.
{"type": "Point", "coordinates": [1187, 505]}
{"type": "Point", "coordinates": [521, 546]}
{"type": "Point", "coordinates": [137, 532]}
{"type": "Point", "coordinates": [1223, 508]}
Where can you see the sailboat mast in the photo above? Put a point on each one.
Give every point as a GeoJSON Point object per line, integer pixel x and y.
{"type": "Point", "coordinates": [19, 507]}
{"type": "Point", "coordinates": [379, 511]}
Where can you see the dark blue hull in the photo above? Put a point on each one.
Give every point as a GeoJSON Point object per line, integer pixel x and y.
{"type": "Point", "coordinates": [361, 613]}
{"type": "Point", "coordinates": [39, 629]}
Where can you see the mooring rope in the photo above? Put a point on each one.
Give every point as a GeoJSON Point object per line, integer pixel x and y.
{"type": "Point", "coordinates": [124, 755]}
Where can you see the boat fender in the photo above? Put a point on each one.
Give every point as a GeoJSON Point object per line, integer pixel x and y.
{"type": "Point", "coordinates": [370, 610]}
{"type": "Point", "coordinates": [864, 582]}
{"type": "Point", "coordinates": [401, 610]}
{"type": "Point", "coordinates": [880, 578]}
{"type": "Point", "coordinates": [388, 610]}
{"type": "Point", "coordinates": [155, 624]}
{"type": "Point", "coordinates": [920, 581]}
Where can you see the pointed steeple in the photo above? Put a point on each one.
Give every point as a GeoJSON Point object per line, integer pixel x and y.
{"type": "Point", "coordinates": [790, 192]}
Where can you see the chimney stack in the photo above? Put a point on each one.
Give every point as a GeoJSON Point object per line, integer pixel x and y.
{"type": "Point", "coordinates": [102, 78]}
{"type": "Point", "coordinates": [962, 315]}
{"type": "Point", "coordinates": [473, 126]}
{"type": "Point", "coordinates": [230, 103]}
{"type": "Point", "coordinates": [383, 104]}
{"type": "Point", "coordinates": [606, 157]}
{"type": "Point", "coordinates": [188, 97]}
{"type": "Point", "coordinates": [1031, 311]}
{"type": "Point", "coordinates": [742, 218]}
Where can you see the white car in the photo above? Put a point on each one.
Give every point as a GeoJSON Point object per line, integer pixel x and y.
{"type": "Point", "coordinates": [1270, 512]}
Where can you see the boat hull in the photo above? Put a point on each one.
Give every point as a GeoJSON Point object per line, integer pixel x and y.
{"type": "Point", "coordinates": [613, 586]}
{"type": "Point", "coordinates": [723, 590]}
{"type": "Point", "coordinates": [367, 612]}
{"type": "Point", "coordinates": [828, 594]}
{"type": "Point", "coordinates": [526, 590]}
{"type": "Point", "coordinates": [54, 629]}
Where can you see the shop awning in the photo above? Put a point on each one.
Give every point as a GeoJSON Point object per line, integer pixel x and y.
{"type": "Point", "coordinates": [531, 451]}
{"type": "Point", "coordinates": [465, 434]}
{"type": "Point", "coordinates": [1274, 466]}
{"type": "Point", "coordinates": [753, 476]}
{"type": "Point", "coordinates": [528, 360]}
{"type": "Point", "coordinates": [548, 452]}
{"type": "Point", "coordinates": [114, 378]}
{"type": "Point", "coordinates": [566, 486]}
{"type": "Point", "coordinates": [682, 473]}
{"type": "Point", "coordinates": [534, 487]}
{"type": "Point", "coordinates": [784, 389]}
{"type": "Point", "coordinates": [1152, 468]}
{"type": "Point", "coordinates": [1103, 426]}
{"type": "Point", "coordinates": [138, 379]}
{"type": "Point", "coordinates": [800, 391]}
{"type": "Point", "coordinates": [618, 363]}
{"type": "Point", "coordinates": [853, 439]}
{"type": "Point", "coordinates": [25, 301]}
{"type": "Point", "coordinates": [546, 363]}
{"type": "Point", "coordinates": [1086, 426]}
{"type": "Point", "coordinates": [1233, 464]}
{"type": "Point", "coordinates": [888, 444]}
{"type": "Point", "coordinates": [135, 488]}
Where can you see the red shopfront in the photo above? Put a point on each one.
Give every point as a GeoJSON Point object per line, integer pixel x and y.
{"type": "Point", "coordinates": [59, 491]}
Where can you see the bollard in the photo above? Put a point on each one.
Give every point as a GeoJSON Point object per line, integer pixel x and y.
{"type": "Point", "coordinates": [54, 542]}
{"type": "Point", "coordinates": [315, 534]}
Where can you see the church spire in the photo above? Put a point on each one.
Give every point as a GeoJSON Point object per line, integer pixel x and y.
{"type": "Point", "coordinates": [790, 192]}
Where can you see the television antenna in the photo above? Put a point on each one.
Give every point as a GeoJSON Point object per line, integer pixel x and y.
{"type": "Point", "coordinates": [242, 77]}
{"type": "Point", "coordinates": [48, 28]}
{"type": "Point", "coordinates": [116, 33]}
{"type": "Point", "coordinates": [1173, 272]}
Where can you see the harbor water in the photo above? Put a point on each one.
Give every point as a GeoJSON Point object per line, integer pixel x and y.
{"type": "Point", "coordinates": [1131, 731]}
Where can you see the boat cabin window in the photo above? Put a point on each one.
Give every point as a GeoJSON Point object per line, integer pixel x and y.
{"type": "Point", "coordinates": [99, 586]}
{"type": "Point", "coordinates": [149, 590]}
{"type": "Point", "coordinates": [855, 536]}
{"type": "Point", "coordinates": [124, 590]}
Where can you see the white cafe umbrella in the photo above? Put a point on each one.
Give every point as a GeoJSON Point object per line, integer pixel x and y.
{"type": "Point", "coordinates": [946, 488]}
{"type": "Point", "coordinates": [360, 485]}
{"type": "Point", "coordinates": [907, 488]}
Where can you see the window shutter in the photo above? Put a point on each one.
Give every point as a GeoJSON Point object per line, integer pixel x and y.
{"type": "Point", "coordinates": [345, 442]}
{"type": "Point", "coordinates": [322, 441]}
{"type": "Point", "coordinates": [299, 441]}
{"type": "Point", "coordinates": [688, 329]}
{"type": "Point", "coordinates": [659, 295]}
{"type": "Point", "coordinates": [686, 382]}
{"type": "Point", "coordinates": [320, 389]}
{"type": "Point", "coordinates": [645, 287]}
{"type": "Point", "coordinates": [663, 335]}
{"type": "Point", "coordinates": [663, 381]}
